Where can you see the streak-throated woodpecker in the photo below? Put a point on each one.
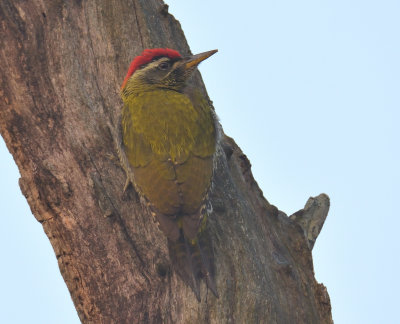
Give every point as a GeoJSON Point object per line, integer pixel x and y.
{"type": "Point", "coordinates": [169, 137]}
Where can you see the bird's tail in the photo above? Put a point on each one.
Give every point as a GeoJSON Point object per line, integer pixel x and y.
{"type": "Point", "coordinates": [193, 260]}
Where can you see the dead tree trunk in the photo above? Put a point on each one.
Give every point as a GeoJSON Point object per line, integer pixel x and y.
{"type": "Point", "coordinates": [61, 65]}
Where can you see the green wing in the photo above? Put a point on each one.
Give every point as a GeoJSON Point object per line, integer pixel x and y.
{"type": "Point", "coordinates": [169, 140]}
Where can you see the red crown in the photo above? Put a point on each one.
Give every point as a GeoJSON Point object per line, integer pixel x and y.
{"type": "Point", "coordinates": [147, 56]}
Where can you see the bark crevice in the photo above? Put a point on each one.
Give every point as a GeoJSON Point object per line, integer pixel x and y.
{"type": "Point", "coordinates": [61, 65]}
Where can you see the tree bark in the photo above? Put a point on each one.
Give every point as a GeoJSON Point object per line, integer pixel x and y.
{"type": "Point", "coordinates": [62, 63]}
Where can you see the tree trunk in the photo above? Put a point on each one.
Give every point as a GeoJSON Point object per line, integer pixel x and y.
{"type": "Point", "coordinates": [62, 63]}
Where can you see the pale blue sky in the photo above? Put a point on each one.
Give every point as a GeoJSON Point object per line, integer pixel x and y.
{"type": "Point", "coordinates": [310, 92]}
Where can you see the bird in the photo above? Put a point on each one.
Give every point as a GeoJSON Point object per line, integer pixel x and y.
{"type": "Point", "coordinates": [169, 139]}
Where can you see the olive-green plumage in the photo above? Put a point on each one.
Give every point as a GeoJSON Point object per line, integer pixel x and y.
{"type": "Point", "coordinates": [169, 139]}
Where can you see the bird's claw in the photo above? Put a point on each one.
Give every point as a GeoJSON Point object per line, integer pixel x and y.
{"type": "Point", "coordinates": [127, 183]}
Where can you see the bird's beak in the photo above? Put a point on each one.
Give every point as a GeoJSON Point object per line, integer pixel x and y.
{"type": "Point", "coordinates": [194, 60]}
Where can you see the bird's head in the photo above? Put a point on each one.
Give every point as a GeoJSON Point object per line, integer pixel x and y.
{"type": "Point", "coordinates": [160, 68]}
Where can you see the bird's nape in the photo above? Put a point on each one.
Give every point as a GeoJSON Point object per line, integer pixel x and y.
{"type": "Point", "coordinates": [169, 143]}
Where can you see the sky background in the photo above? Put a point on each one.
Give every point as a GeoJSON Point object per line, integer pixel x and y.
{"type": "Point", "coordinates": [310, 90]}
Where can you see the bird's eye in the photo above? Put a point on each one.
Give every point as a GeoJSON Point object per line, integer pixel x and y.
{"type": "Point", "coordinates": [163, 66]}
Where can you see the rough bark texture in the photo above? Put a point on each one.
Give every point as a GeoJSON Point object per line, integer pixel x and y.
{"type": "Point", "coordinates": [62, 63]}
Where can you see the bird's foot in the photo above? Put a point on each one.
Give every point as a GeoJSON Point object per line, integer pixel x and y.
{"type": "Point", "coordinates": [128, 182]}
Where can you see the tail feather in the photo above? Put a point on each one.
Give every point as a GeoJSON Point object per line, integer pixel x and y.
{"type": "Point", "coordinates": [192, 270]}
{"type": "Point", "coordinates": [193, 261]}
{"type": "Point", "coordinates": [209, 270]}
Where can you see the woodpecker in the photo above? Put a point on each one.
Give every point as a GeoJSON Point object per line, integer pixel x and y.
{"type": "Point", "coordinates": [169, 138]}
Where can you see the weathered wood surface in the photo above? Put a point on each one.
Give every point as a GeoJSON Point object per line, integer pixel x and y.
{"type": "Point", "coordinates": [62, 63]}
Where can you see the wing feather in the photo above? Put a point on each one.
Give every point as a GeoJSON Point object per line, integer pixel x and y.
{"type": "Point", "coordinates": [169, 141]}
